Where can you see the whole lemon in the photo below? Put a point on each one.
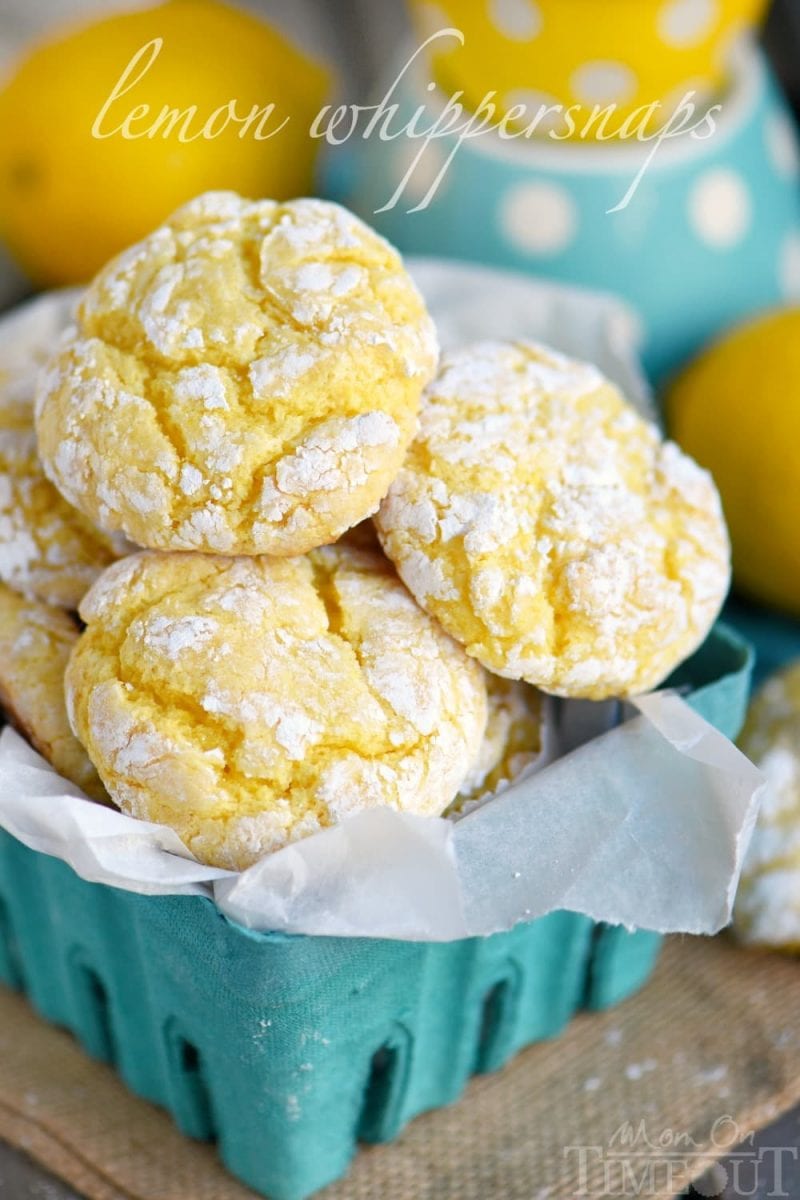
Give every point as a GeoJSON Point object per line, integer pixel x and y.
{"type": "Point", "coordinates": [107, 128]}
{"type": "Point", "coordinates": [736, 409]}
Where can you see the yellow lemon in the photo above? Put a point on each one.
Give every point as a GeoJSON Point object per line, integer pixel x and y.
{"type": "Point", "coordinates": [107, 128]}
{"type": "Point", "coordinates": [533, 54]}
{"type": "Point", "coordinates": [736, 410]}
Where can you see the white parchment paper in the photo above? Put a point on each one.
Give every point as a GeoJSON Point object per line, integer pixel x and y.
{"type": "Point", "coordinates": [470, 303]}
{"type": "Point", "coordinates": [644, 824]}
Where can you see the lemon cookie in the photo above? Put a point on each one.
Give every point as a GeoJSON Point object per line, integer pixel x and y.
{"type": "Point", "coordinates": [47, 548]}
{"type": "Point", "coordinates": [246, 380]}
{"type": "Point", "coordinates": [35, 644]}
{"type": "Point", "coordinates": [511, 743]}
{"type": "Point", "coordinates": [767, 909]}
{"type": "Point", "coordinates": [248, 702]}
{"type": "Point", "coordinates": [549, 527]}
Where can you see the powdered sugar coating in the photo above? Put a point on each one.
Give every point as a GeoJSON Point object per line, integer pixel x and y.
{"type": "Point", "coordinates": [767, 908]}
{"type": "Point", "coordinates": [35, 643]}
{"type": "Point", "coordinates": [550, 529]}
{"type": "Point", "coordinates": [48, 549]}
{"type": "Point", "coordinates": [248, 702]}
{"type": "Point", "coordinates": [246, 380]}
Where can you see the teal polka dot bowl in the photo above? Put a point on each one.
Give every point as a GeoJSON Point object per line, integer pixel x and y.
{"type": "Point", "coordinates": [710, 234]}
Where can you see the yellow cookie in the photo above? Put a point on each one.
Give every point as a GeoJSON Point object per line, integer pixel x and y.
{"type": "Point", "coordinates": [35, 644]}
{"type": "Point", "coordinates": [512, 741]}
{"type": "Point", "coordinates": [550, 529]}
{"type": "Point", "coordinates": [249, 702]}
{"type": "Point", "coordinates": [47, 548]}
{"type": "Point", "coordinates": [767, 908]}
{"type": "Point", "coordinates": [246, 380]}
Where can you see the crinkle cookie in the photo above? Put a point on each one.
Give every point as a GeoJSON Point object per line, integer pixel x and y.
{"type": "Point", "coordinates": [35, 644]}
{"type": "Point", "coordinates": [246, 380]}
{"type": "Point", "coordinates": [767, 907]}
{"type": "Point", "coordinates": [511, 744]}
{"type": "Point", "coordinates": [550, 529]}
{"type": "Point", "coordinates": [249, 702]}
{"type": "Point", "coordinates": [47, 548]}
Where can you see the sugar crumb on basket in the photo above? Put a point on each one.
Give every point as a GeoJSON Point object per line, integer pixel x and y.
{"type": "Point", "coordinates": [250, 702]}
{"type": "Point", "coordinates": [266, 361]}
{"type": "Point", "coordinates": [551, 529]}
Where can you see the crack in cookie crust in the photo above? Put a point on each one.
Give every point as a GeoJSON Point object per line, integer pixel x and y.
{"type": "Point", "coordinates": [47, 548]}
{"type": "Point", "coordinates": [550, 529]}
{"type": "Point", "coordinates": [245, 380]}
{"type": "Point", "coordinates": [248, 702]}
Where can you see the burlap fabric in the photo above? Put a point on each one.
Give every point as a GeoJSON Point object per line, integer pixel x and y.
{"type": "Point", "coordinates": [707, 1052]}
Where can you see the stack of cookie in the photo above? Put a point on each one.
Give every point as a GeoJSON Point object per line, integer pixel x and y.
{"type": "Point", "coordinates": [49, 552]}
{"type": "Point", "coordinates": [240, 393]}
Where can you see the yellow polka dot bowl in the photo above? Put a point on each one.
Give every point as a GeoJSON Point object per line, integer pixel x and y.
{"type": "Point", "coordinates": [695, 232]}
{"type": "Point", "coordinates": [629, 53]}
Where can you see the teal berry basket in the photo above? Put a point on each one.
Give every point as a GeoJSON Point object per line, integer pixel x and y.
{"type": "Point", "coordinates": [288, 1050]}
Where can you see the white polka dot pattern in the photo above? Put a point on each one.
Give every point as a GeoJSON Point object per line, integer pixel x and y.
{"type": "Point", "coordinates": [604, 83]}
{"type": "Point", "coordinates": [683, 23]}
{"type": "Point", "coordinates": [711, 231]}
{"type": "Point", "coordinates": [519, 20]}
{"type": "Point", "coordinates": [720, 208]}
{"type": "Point", "coordinates": [539, 218]}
